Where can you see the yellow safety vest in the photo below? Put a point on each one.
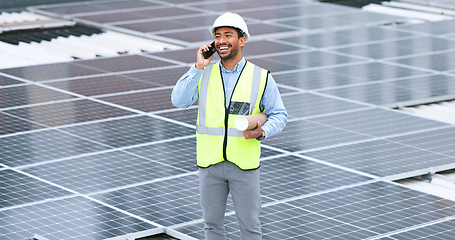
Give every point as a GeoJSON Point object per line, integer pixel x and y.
{"type": "Point", "coordinates": [217, 138]}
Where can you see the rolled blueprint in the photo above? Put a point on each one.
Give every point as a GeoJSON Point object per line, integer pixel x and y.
{"type": "Point", "coordinates": [250, 122]}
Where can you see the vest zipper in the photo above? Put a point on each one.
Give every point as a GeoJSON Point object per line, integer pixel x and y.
{"type": "Point", "coordinates": [226, 119]}
{"type": "Point", "coordinates": [226, 110]}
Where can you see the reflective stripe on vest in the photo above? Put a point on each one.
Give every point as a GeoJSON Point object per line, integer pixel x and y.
{"type": "Point", "coordinates": [215, 144]}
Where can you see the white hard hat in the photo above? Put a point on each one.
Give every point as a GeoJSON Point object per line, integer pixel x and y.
{"type": "Point", "coordinates": [230, 20]}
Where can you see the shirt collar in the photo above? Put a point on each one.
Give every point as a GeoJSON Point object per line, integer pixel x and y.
{"type": "Point", "coordinates": [238, 67]}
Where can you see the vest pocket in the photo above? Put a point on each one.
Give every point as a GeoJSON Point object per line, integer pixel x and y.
{"type": "Point", "coordinates": [239, 108]}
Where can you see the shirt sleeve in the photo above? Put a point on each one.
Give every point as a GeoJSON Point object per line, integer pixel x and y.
{"type": "Point", "coordinates": [185, 91]}
{"type": "Point", "coordinates": [274, 108]}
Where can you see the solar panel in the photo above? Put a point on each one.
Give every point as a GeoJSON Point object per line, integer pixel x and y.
{"type": "Point", "coordinates": [6, 81]}
{"type": "Point", "coordinates": [43, 146]}
{"type": "Point", "coordinates": [147, 101]}
{"type": "Point", "coordinates": [286, 11]}
{"type": "Point", "coordinates": [159, 25]}
{"type": "Point", "coordinates": [174, 153]}
{"type": "Point", "coordinates": [438, 230]}
{"type": "Point", "coordinates": [390, 49]}
{"type": "Point", "coordinates": [392, 93]}
{"type": "Point", "coordinates": [437, 141]}
{"type": "Point", "coordinates": [307, 105]}
{"type": "Point", "coordinates": [201, 34]}
{"type": "Point", "coordinates": [306, 134]}
{"type": "Point", "coordinates": [160, 77]}
{"type": "Point", "coordinates": [63, 113]}
{"type": "Point", "coordinates": [187, 116]}
{"type": "Point", "coordinates": [377, 93]}
{"type": "Point", "coordinates": [443, 61]}
{"type": "Point", "coordinates": [124, 63]}
{"type": "Point", "coordinates": [253, 48]}
{"type": "Point", "coordinates": [175, 201]}
{"type": "Point", "coordinates": [436, 28]}
{"type": "Point", "coordinates": [50, 71]}
{"type": "Point", "coordinates": [11, 124]}
{"type": "Point", "coordinates": [339, 20]}
{"type": "Point", "coordinates": [87, 174]}
{"type": "Point", "coordinates": [303, 59]}
{"type": "Point", "coordinates": [138, 14]}
{"type": "Point", "coordinates": [347, 37]}
{"type": "Point", "coordinates": [437, 3]}
{"type": "Point", "coordinates": [377, 122]}
{"type": "Point", "coordinates": [129, 131]}
{"type": "Point", "coordinates": [352, 74]}
{"type": "Point", "coordinates": [91, 86]}
{"type": "Point", "coordinates": [70, 218]}
{"type": "Point", "coordinates": [20, 189]}
{"type": "Point", "coordinates": [289, 176]}
{"type": "Point", "coordinates": [166, 202]}
{"type": "Point", "coordinates": [94, 149]}
{"type": "Point", "coordinates": [358, 212]}
{"type": "Point", "coordinates": [383, 158]}
{"type": "Point", "coordinates": [29, 94]}
{"type": "Point", "coordinates": [240, 5]}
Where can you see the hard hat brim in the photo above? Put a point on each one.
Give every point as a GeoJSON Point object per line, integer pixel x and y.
{"type": "Point", "coordinates": [213, 28]}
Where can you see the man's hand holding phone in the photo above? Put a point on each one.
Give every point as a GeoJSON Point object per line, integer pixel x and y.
{"type": "Point", "coordinates": [205, 55]}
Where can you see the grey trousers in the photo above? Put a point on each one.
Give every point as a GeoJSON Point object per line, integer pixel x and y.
{"type": "Point", "coordinates": [215, 183]}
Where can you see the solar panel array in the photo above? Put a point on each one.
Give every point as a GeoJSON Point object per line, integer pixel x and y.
{"type": "Point", "coordinates": [93, 149]}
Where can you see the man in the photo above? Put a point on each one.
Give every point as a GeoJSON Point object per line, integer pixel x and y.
{"type": "Point", "coordinates": [228, 159]}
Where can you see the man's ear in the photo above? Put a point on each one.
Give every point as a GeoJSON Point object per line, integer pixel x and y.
{"type": "Point", "coordinates": [242, 41]}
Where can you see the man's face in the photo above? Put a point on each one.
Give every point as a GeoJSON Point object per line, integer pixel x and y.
{"type": "Point", "coordinates": [228, 44]}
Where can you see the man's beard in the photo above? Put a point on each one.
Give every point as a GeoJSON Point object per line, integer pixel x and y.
{"type": "Point", "coordinates": [230, 55]}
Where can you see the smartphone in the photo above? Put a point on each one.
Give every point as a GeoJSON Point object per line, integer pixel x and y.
{"type": "Point", "coordinates": [210, 52]}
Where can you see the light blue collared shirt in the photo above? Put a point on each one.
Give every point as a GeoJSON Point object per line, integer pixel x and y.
{"type": "Point", "coordinates": [185, 93]}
